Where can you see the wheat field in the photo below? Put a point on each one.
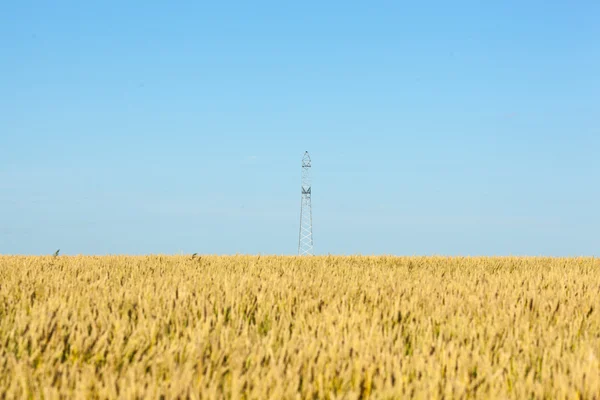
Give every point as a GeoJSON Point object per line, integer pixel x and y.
{"type": "Point", "coordinates": [331, 327]}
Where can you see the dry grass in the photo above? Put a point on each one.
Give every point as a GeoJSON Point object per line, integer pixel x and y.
{"type": "Point", "coordinates": [286, 327]}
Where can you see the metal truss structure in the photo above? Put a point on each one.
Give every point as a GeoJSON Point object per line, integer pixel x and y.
{"type": "Point", "coordinates": [305, 241]}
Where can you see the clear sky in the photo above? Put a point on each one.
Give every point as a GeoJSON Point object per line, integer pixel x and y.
{"type": "Point", "coordinates": [450, 127]}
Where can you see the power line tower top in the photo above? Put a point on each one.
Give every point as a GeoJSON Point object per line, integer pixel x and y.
{"type": "Point", "coordinates": [305, 240]}
{"type": "Point", "coordinates": [306, 181]}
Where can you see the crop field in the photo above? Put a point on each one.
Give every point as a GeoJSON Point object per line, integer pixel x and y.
{"type": "Point", "coordinates": [327, 327]}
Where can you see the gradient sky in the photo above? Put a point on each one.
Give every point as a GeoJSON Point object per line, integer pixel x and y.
{"type": "Point", "coordinates": [459, 128]}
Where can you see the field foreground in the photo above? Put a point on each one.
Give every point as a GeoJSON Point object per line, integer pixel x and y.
{"type": "Point", "coordinates": [289, 327]}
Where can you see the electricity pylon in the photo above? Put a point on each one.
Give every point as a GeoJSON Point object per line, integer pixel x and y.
{"type": "Point", "coordinates": [305, 241]}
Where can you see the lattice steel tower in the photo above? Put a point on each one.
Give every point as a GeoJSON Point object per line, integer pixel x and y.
{"type": "Point", "coordinates": [305, 241]}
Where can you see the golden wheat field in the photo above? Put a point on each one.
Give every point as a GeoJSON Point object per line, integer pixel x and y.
{"type": "Point", "coordinates": [293, 328]}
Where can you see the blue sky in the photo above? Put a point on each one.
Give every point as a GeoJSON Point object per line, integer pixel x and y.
{"type": "Point", "coordinates": [459, 128]}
